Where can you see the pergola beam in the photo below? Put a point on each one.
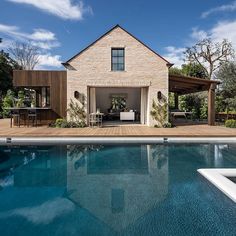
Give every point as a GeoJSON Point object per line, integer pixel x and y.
{"type": "Point", "coordinates": [182, 85]}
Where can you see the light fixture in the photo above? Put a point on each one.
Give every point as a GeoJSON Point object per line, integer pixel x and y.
{"type": "Point", "coordinates": [159, 95]}
{"type": "Point", "coordinates": [76, 94]}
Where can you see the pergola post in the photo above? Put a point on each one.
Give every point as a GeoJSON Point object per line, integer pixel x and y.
{"type": "Point", "coordinates": [176, 101]}
{"type": "Point", "coordinates": [211, 105]}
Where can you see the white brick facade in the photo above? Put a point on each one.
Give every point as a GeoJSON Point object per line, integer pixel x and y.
{"type": "Point", "coordinates": [143, 68]}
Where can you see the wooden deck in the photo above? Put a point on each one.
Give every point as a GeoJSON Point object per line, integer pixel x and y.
{"type": "Point", "coordinates": [199, 130]}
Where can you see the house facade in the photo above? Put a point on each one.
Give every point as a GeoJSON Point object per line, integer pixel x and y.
{"type": "Point", "coordinates": [117, 76]}
{"type": "Point", "coordinates": [118, 65]}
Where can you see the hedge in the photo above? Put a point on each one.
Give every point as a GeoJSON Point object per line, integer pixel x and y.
{"type": "Point", "coordinates": [230, 123]}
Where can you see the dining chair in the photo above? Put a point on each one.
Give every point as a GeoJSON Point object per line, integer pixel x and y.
{"type": "Point", "coordinates": [92, 120]}
{"type": "Point", "coordinates": [15, 114]}
{"type": "Point", "coordinates": [33, 116]}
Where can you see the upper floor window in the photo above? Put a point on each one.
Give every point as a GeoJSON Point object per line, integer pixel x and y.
{"type": "Point", "coordinates": [117, 59]}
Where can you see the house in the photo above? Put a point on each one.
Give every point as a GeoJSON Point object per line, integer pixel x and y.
{"type": "Point", "coordinates": [117, 75]}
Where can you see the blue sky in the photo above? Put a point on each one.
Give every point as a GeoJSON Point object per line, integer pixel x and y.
{"type": "Point", "coordinates": [61, 28]}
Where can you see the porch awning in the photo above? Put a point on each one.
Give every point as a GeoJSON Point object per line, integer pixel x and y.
{"type": "Point", "coordinates": [185, 84]}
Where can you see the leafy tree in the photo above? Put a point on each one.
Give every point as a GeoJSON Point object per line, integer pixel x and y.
{"type": "Point", "coordinates": [26, 54]}
{"type": "Point", "coordinates": [7, 64]}
{"type": "Point", "coordinates": [194, 70]}
{"type": "Point", "coordinates": [227, 76]}
{"type": "Point", "coordinates": [210, 55]}
{"type": "Point", "coordinates": [190, 69]}
{"type": "Point", "coordinates": [175, 71]}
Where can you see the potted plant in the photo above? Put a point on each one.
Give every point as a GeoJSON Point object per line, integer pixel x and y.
{"type": "Point", "coordinates": [33, 103]}
{"type": "Point", "coordinates": [21, 98]}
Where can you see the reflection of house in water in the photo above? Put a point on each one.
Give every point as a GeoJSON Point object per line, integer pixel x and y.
{"type": "Point", "coordinates": [47, 168]}
{"type": "Point", "coordinates": [118, 184]}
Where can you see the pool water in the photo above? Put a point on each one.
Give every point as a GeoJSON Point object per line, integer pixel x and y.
{"type": "Point", "coordinates": [114, 190]}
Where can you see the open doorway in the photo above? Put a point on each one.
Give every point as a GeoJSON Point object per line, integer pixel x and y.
{"type": "Point", "coordinates": [120, 106]}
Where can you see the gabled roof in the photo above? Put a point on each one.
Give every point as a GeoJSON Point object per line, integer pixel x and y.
{"type": "Point", "coordinates": [116, 26]}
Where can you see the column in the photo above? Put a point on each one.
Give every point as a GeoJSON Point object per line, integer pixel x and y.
{"type": "Point", "coordinates": [211, 105]}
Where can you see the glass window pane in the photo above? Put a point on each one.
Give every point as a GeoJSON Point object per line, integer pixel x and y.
{"type": "Point", "coordinates": [114, 52]}
{"type": "Point", "coordinates": [120, 59]}
{"type": "Point", "coordinates": [120, 66]}
{"type": "Point", "coordinates": [114, 66]}
{"type": "Point", "coordinates": [121, 52]}
{"type": "Point", "coordinates": [115, 59]}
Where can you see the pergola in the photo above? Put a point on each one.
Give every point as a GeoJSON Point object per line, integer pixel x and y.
{"type": "Point", "coordinates": [181, 85]}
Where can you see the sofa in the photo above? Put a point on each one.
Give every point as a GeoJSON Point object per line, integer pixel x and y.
{"type": "Point", "coordinates": [130, 115]}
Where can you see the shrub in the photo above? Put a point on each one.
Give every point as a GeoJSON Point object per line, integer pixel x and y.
{"type": "Point", "coordinates": [168, 125]}
{"type": "Point", "coordinates": [60, 123]}
{"type": "Point", "coordinates": [230, 123]}
{"type": "Point", "coordinates": [63, 123]}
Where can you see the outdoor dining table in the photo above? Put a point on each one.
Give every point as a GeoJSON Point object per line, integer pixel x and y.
{"type": "Point", "coordinates": [23, 111]}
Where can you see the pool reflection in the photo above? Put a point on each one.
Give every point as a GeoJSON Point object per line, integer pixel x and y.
{"type": "Point", "coordinates": [115, 184]}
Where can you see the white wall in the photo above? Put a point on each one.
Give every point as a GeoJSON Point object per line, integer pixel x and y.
{"type": "Point", "coordinates": [103, 97]}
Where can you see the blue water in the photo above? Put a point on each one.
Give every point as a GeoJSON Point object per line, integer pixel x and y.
{"type": "Point", "coordinates": [114, 190]}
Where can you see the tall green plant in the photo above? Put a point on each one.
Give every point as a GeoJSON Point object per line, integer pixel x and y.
{"type": "Point", "coordinates": [21, 99]}
{"type": "Point", "coordinates": [76, 112]}
{"type": "Point", "coordinates": [8, 101]}
{"type": "Point", "coordinates": [159, 112]}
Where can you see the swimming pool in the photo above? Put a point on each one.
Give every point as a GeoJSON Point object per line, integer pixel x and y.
{"type": "Point", "coordinates": [114, 190]}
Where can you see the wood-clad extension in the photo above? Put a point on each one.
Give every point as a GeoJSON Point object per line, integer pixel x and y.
{"type": "Point", "coordinates": [57, 82]}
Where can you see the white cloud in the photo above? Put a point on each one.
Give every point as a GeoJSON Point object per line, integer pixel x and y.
{"type": "Point", "coordinates": [6, 43]}
{"type": "Point", "coordinates": [48, 60]}
{"type": "Point", "coordinates": [222, 8]}
{"type": "Point", "coordinates": [42, 34]}
{"type": "Point", "coordinates": [224, 30]}
{"type": "Point", "coordinates": [41, 38]}
{"type": "Point", "coordinates": [175, 55]}
{"type": "Point", "coordinates": [221, 30]}
{"type": "Point", "coordinates": [62, 8]}
{"type": "Point", "coordinates": [44, 213]}
{"type": "Point", "coordinates": [44, 39]}
{"type": "Point", "coordinates": [198, 34]}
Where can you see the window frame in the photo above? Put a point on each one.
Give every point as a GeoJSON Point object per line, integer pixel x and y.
{"type": "Point", "coordinates": [118, 48]}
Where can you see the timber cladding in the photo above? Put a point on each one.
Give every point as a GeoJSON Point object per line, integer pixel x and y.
{"type": "Point", "coordinates": [56, 80]}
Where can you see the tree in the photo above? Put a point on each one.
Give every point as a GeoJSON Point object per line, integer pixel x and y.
{"type": "Point", "coordinates": [7, 64]}
{"type": "Point", "coordinates": [194, 70]}
{"type": "Point", "coordinates": [227, 76]}
{"type": "Point", "coordinates": [26, 54]}
{"type": "Point", "coordinates": [210, 55]}
{"type": "Point", "coordinates": [175, 71]}
{"type": "Point", "coordinates": [190, 69]}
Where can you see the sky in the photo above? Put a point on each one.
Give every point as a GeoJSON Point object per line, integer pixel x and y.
{"type": "Point", "coordinates": [61, 28]}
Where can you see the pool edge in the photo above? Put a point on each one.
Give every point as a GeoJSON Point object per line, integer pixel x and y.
{"type": "Point", "coordinates": [111, 140]}
{"type": "Point", "coordinates": [218, 177]}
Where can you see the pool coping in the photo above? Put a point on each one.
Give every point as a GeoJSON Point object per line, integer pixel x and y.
{"type": "Point", "coordinates": [111, 140]}
{"type": "Point", "coordinates": [218, 177]}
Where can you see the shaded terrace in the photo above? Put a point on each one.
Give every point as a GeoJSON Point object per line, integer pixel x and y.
{"type": "Point", "coordinates": [182, 85]}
